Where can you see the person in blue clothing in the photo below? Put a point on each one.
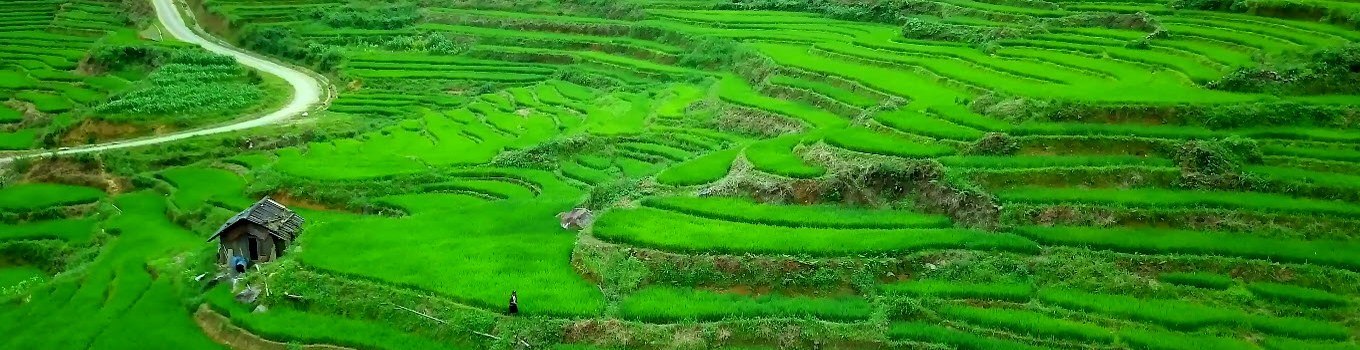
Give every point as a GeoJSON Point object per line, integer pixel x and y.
{"type": "Point", "coordinates": [238, 263]}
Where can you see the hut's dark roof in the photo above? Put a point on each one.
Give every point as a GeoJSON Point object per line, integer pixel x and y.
{"type": "Point", "coordinates": [280, 221]}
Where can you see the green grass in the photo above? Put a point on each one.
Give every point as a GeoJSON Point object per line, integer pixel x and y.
{"type": "Point", "coordinates": [1031, 323]}
{"type": "Point", "coordinates": [13, 275]}
{"type": "Point", "coordinates": [474, 254]}
{"type": "Point", "coordinates": [646, 88]}
{"type": "Point", "coordinates": [1278, 343]}
{"type": "Point", "coordinates": [658, 304]}
{"type": "Point", "coordinates": [778, 157]}
{"type": "Point", "coordinates": [657, 228]}
{"type": "Point", "coordinates": [1183, 315]}
{"type": "Point", "coordinates": [931, 333]}
{"type": "Point", "coordinates": [957, 290]}
{"type": "Point", "coordinates": [704, 169]}
{"type": "Point", "coordinates": [1163, 340]}
{"type": "Point", "coordinates": [41, 195]}
{"type": "Point", "coordinates": [1170, 241]}
{"type": "Point", "coordinates": [197, 187]}
{"type": "Point", "coordinates": [734, 90]}
{"type": "Point", "coordinates": [74, 230]}
{"type": "Point", "coordinates": [1297, 295]}
{"type": "Point", "coordinates": [287, 324]}
{"type": "Point", "coordinates": [834, 92]}
{"type": "Point", "coordinates": [817, 216]}
{"type": "Point", "coordinates": [1165, 198]}
{"type": "Point", "coordinates": [110, 303]}
{"type": "Point", "coordinates": [20, 139]}
{"type": "Point", "coordinates": [914, 122]}
{"type": "Point", "coordinates": [9, 115]}
{"type": "Point", "coordinates": [1198, 279]}
{"type": "Point", "coordinates": [884, 143]}
{"type": "Point", "coordinates": [15, 80]}
{"type": "Point", "coordinates": [1033, 161]}
{"type": "Point", "coordinates": [45, 102]}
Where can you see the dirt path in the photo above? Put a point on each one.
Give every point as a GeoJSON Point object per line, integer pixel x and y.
{"type": "Point", "coordinates": [308, 90]}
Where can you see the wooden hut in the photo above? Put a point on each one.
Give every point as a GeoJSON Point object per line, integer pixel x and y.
{"type": "Point", "coordinates": [259, 234]}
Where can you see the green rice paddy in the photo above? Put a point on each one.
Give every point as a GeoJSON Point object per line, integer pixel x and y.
{"type": "Point", "coordinates": [943, 174]}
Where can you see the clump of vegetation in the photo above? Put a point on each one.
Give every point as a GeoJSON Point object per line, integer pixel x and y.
{"type": "Point", "coordinates": [284, 42]}
{"type": "Point", "coordinates": [713, 53]}
{"type": "Point", "coordinates": [370, 16]}
{"type": "Point", "coordinates": [1333, 70]}
{"type": "Point", "coordinates": [547, 154]}
{"type": "Point", "coordinates": [916, 28]}
{"type": "Point", "coordinates": [994, 144]}
{"type": "Point", "coordinates": [1137, 21]}
{"type": "Point", "coordinates": [1217, 164]}
{"type": "Point", "coordinates": [1302, 10]}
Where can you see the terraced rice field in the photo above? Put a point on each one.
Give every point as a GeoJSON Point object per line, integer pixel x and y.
{"type": "Point", "coordinates": [77, 72]}
{"type": "Point", "coordinates": [945, 174]}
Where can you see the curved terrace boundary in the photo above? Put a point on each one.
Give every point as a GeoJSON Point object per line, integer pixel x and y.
{"type": "Point", "coordinates": [307, 89]}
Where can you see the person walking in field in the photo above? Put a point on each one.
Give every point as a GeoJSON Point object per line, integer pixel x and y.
{"type": "Point", "coordinates": [514, 304]}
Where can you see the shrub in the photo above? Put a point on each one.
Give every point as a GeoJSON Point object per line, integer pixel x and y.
{"type": "Point", "coordinates": [994, 144]}
{"type": "Point", "coordinates": [1332, 70]}
{"type": "Point", "coordinates": [284, 42]}
{"type": "Point", "coordinates": [916, 28]}
{"type": "Point", "coordinates": [1217, 164]}
{"type": "Point", "coordinates": [385, 16]}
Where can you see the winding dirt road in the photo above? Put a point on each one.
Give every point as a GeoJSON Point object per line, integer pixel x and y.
{"type": "Point", "coordinates": [307, 90]}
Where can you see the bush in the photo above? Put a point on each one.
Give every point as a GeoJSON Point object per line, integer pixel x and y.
{"type": "Point", "coordinates": [284, 42]}
{"type": "Point", "coordinates": [994, 144]}
{"type": "Point", "coordinates": [1334, 70]}
{"type": "Point", "coordinates": [916, 28]}
{"type": "Point", "coordinates": [1217, 164]}
{"type": "Point", "coordinates": [385, 16]}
